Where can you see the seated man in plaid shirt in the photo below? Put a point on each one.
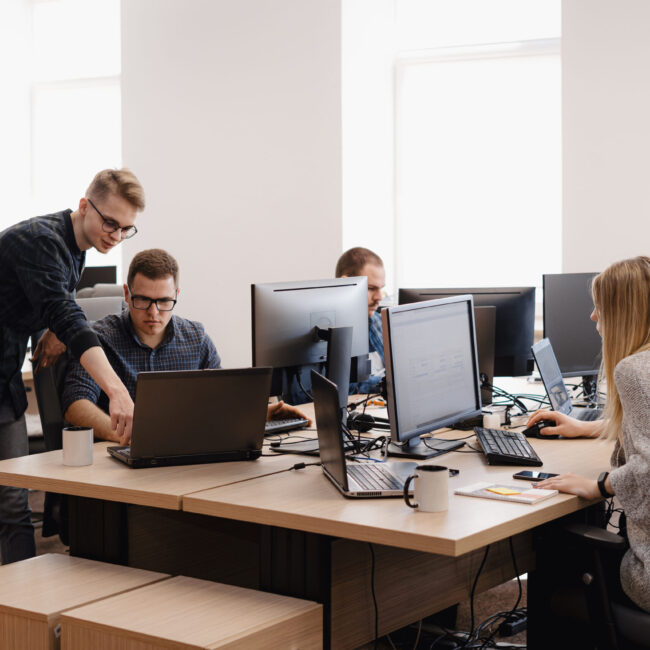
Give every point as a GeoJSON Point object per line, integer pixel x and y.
{"type": "Point", "coordinates": [362, 261]}
{"type": "Point", "coordinates": [146, 336]}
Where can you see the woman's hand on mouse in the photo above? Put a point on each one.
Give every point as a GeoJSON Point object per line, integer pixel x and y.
{"type": "Point", "coordinates": [565, 425]}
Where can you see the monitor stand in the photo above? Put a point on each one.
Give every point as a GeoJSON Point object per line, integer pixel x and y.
{"type": "Point", "coordinates": [418, 449]}
{"type": "Point", "coordinates": [590, 385]}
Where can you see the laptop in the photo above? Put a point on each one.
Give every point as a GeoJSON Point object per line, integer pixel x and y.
{"type": "Point", "coordinates": [549, 371]}
{"type": "Point", "coordinates": [197, 416]}
{"type": "Point", "coordinates": [358, 480]}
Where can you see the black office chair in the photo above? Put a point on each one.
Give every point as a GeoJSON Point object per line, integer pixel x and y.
{"type": "Point", "coordinates": [48, 386]}
{"type": "Point", "coordinates": [615, 622]}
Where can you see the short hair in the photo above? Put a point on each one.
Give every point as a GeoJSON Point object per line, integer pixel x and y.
{"type": "Point", "coordinates": [154, 264]}
{"type": "Point", "coordinates": [352, 261]}
{"type": "Point", "coordinates": [122, 182]}
{"type": "Point", "coordinates": [621, 296]}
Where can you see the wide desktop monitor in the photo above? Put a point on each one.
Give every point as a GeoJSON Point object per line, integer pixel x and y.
{"type": "Point", "coordinates": [317, 324]}
{"type": "Point", "coordinates": [515, 322]}
{"type": "Point", "coordinates": [431, 372]}
{"type": "Point", "coordinates": [567, 307]}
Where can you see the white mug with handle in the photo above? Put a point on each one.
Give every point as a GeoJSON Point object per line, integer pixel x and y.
{"type": "Point", "coordinates": [431, 488]}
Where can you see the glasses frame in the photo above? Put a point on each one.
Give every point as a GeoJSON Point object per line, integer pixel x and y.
{"type": "Point", "coordinates": [152, 301]}
{"type": "Point", "coordinates": [111, 226]}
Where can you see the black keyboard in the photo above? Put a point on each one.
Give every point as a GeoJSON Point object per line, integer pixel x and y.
{"type": "Point", "coordinates": [372, 477]}
{"type": "Point", "coordinates": [503, 447]}
{"type": "Point", "coordinates": [286, 424]}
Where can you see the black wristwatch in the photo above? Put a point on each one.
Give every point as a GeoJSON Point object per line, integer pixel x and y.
{"type": "Point", "coordinates": [601, 485]}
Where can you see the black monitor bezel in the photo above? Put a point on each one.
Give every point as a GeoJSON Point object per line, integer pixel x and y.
{"type": "Point", "coordinates": [396, 435]}
{"type": "Point", "coordinates": [590, 370]}
{"type": "Point", "coordinates": [519, 365]}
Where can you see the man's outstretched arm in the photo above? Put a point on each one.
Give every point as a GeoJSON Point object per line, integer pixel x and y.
{"type": "Point", "coordinates": [84, 413]}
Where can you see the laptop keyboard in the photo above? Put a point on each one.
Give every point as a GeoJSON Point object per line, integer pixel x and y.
{"type": "Point", "coordinates": [124, 451]}
{"type": "Point", "coordinates": [506, 447]}
{"type": "Point", "coordinates": [374, 477]}
{"type": "Point", "coordinates": [286, 424]}
{"type": "Point", "coordinates": [589, 415]}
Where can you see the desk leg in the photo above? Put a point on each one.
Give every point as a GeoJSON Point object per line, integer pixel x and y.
{"type": "Point", "coordinates": [98, 529]}
{"type": "Point", "coordinates": [293, 563]}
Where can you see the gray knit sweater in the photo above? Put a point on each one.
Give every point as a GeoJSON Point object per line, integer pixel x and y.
{"type": "Point", "coordinates": [631, 478]}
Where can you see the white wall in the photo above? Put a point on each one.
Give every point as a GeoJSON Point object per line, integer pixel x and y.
{"type": "Point", "coordinates": [15, 80]}
{"type": "Point", "coordinates": [368, 131]}
{"type": "Point", "coordinates": [606, 125]}
{"type": "Point", "coordinates": [232, 121]}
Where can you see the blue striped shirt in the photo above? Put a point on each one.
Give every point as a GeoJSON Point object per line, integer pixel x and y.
{"type": "Point", "coordinates": [185, 346]}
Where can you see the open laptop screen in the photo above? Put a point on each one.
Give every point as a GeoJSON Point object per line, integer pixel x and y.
{"type": "Point", "coordinates": [328, 424]}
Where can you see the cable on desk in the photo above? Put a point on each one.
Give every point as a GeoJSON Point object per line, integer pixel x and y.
{"type": "Point", "coordinates": [280, 471]}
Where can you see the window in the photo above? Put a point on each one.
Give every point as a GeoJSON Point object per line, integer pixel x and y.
{"type": "Point", "coordinates": [68, 84]}
{"type": "Point", "coordinates": [477, 142]}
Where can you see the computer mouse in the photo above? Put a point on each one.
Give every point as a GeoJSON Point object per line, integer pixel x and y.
{"type": "Point", "coordinates": [533, 431]}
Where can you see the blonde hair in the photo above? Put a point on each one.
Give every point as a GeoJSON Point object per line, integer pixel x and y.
{"type": "Point", "coordinates": [621, 296]}
{"type": "Point", "coordinates": [122, 182]}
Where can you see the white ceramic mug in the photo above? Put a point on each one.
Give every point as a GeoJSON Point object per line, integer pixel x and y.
{"type": "Point", "coordinates": [431, 488]}
{"type": "Point", "coordinates": [77, 446]}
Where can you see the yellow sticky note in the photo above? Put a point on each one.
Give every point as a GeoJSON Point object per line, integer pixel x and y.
{"type": "Point", "coordinates": [502, 490]}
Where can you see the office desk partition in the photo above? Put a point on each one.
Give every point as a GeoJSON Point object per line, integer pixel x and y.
{"type": "Point", "coordinates": [293, 533]}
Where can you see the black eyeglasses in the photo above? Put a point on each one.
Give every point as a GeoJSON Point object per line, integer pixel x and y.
{"type": "Point", "coordinates": [144, 302]}
{"type": "Point", "coordinates": [110, 225]}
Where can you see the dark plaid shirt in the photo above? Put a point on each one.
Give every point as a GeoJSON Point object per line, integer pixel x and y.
{"type": "Point", "coordinates": [40, 265]}
{"type": "Point", "coordinates": [185, 346]}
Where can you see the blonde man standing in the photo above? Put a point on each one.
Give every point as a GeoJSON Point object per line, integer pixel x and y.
{"type": "Point", "coordinates": [41, 260]}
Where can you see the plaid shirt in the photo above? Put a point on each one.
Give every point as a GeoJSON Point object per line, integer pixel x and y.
{"type": "Point", "coordinates": [375, 344]}
{"type": "Point", "coordinates": [375, 335]}
{"type": "Point", "coordinates": [40, 265]}
{"type": "Point", "coordinates": [185, 346]}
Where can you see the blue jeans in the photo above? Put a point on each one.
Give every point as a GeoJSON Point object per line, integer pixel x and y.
{"type": "Point", "coordinates": [16, 529]}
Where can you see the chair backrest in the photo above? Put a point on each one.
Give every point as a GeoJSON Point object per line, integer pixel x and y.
{"type": "Point", "coordinates": [99, 306]}
{"type": "Point", "coordinates": [99, 290]}
{"type": "Point", "coordinates": [48, 382]}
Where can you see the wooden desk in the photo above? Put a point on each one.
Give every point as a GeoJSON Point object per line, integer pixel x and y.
{"type": "Point", "coordinates": [294, 534]}
{"type": "Point", "coordinates": [306, 500]}
{"type": "Point", "coordinates": [110, 480]}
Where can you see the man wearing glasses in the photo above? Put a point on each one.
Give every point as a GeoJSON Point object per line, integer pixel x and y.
{"type": "Point", "coordinates": [145, 337]}
{"type": "Point", "coordinates": [362, 261]}
{"type": "Point", "coordinates": [41, 260]}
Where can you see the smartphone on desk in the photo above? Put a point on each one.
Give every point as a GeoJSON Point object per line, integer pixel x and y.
{"type": "Point", "coordinates": [531, 475]}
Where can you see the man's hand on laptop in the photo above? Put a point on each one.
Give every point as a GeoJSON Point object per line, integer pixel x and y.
{"type": "Point", "coordinates": [121, 411]}
{"type": "Point", "coordinates": [280, 411]}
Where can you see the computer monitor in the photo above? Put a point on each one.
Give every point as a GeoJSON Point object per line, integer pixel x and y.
{"type": "Point", "coordinates": [567, 307]}
{"type": "Point", "coordinates": [431, 372]}
{"type": "Point", "coordinates": [93, 275]}
{"type": "Point", "coordinates": [515, 322]}
{"type": "Point", "coordinates": [317, 324]}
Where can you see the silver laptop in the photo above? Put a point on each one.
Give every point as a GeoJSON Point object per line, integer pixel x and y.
{"type": "Point", "coordinates": [359, 480]}
{"type": "Point", "coordinates": [549, 371]}
{"type": "Point", "coordinates": [197, 416]}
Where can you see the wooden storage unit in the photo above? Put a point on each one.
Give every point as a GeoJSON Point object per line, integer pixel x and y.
{"type": "Point", "coordinates": [34, 592]}
{"type": "Point", "coordinates": [189, 613]}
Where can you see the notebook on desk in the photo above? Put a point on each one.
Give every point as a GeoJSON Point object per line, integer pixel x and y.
{"type": "Point", "coordinates": [549, 371]}
{"type": "Point", "coordinates": [364, 480]}
{"type": "Point", "coordinates": [197, 416]}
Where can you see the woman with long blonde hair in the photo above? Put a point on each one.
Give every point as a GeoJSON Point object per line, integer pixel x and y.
{"type": "Point", "coordinates": [621, 296]}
